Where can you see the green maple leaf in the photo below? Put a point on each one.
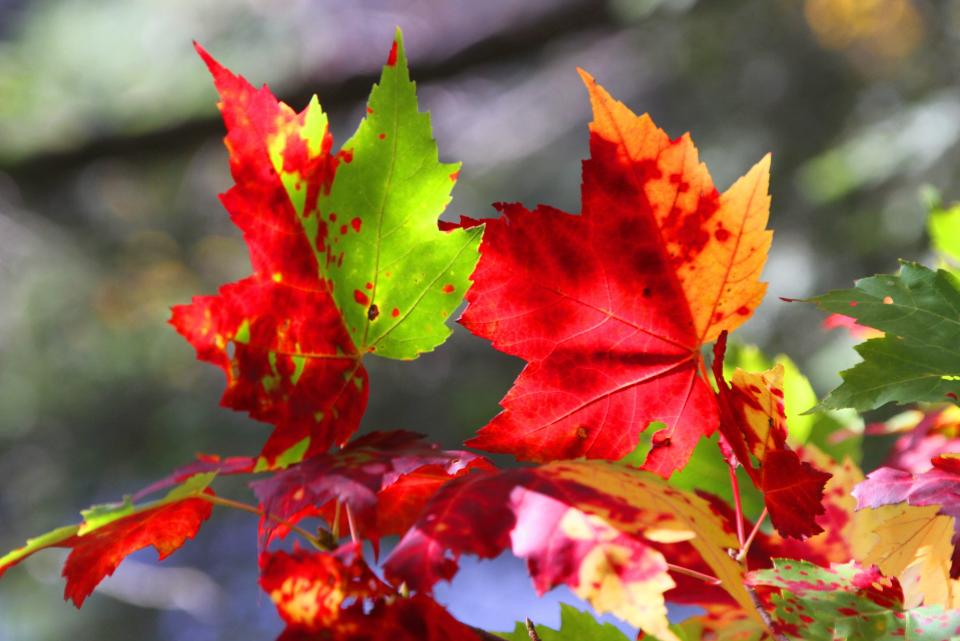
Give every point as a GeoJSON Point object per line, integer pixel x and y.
{"type": "Point", "coordinates": [918, 358]}
{"type": "Point", "coordinates": [574, 626]}
{"type": "Point", "coordinates": [384, 254]}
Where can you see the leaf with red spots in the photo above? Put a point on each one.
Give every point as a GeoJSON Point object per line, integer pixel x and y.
{"type": "Point", "coordinates": [610, 307]}
{"type": "Point", "coordinates": [810, 603]}
{"type": "Point", "coordinates": [109, 533]}
{"type": "Point", "coordinates": [335, 241]}
{"type": "Point", "coordinates": [916, 358]}
{"type": "Point", "coordinates": [357, 477]}
{"type": "Point", "coordinates": [590, 525]}
{"type": "Point", "coordinates": [753, 424]}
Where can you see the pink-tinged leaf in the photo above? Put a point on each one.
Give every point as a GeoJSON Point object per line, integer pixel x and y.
{"type": "Point", "coordinates": [753, 424]}
{"type": "Point", "coordinates": [610, 307]}
{"type": "Point", "coordinates": [354, 476]}
{"type": "Point", "coordinates": [850, 324]}
{"type": "Point", "coordinates": [939, 485]}
{"type": "Point", "coordinates": [926, 435]}
{"type": "Point", "coordinates": [595, 527]}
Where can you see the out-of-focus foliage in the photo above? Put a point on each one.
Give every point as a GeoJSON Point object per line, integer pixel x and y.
{"type": "Point", "coordinates": [110, 154]}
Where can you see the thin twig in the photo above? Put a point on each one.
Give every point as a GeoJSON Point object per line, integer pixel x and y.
{"type": "Point", "coordinates": [767, 621]}
{"type": "Point", "coordinates": [244, 507]}
{"type": "Point", "coordinates": [531, 630]}
{"type": "Point", "coordinates": [679, 569]}
{"type": "Point", "coordinates": [745, 548]}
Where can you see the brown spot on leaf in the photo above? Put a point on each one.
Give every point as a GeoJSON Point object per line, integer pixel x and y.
{"type": "Point", "coordinates": [395, 312]}
{"type": "Point", "coordinates": [455, 175]}
{"type": "Point", "coordinates": [360, 297]}
{"type": "Point", "coordinates": [721, 234]}
{"type": "Point", "coordinates": [369, 285]}
{"type": "Point", "coordinates": [382, 136]}
{"type": "Point", "coordinates": [392, 58]}
{"type": "Point", "coordinates": [373, 312]}
{"type": "Point", "coordinates": [448, 288]}
{"type": "Point", "coordinates": [369, 110]}
{"type": "Point", "coordinates": [333, 217]}
{"type": "Point", "coordinates": [743, 310]}
{"type": "Point", "coordinates": [582, 432]}
{"type": "Point", "coordinates": [343, 229]}
{"type": "Point", "coordinates": [356, 223]}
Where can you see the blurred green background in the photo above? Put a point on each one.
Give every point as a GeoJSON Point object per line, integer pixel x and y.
{"type": "Point", "coordinates": [111, 161]}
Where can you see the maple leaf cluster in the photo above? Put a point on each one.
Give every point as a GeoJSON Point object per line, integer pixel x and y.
{"type": "Point", "coordinates": [624, 418]}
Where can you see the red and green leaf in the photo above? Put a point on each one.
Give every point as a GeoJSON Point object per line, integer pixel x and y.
{"type": "Point", "coordinates": [753, 424]}
{"type": "Point", "coordinates": [328, 288]}
{"type": "Point", "coordinates": [110, 533]}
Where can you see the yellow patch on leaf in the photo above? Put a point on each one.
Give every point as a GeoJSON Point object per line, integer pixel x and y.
{"type": "Point", "coordinates": [717, 242]}
{"type": "Point", "coordinates": [912, 543]}
{"type": "Point", "coordinates": [682, 513]}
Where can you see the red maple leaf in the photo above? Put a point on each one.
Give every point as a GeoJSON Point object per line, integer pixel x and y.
{"type": "Point", "coordinates": [277, 335]}
{"type": "Point", "coordinates": [611, 307]}
{"type": "Point", "coordinates": [359, 477]}
{"type": "Point", "coordinates": [753, 425]}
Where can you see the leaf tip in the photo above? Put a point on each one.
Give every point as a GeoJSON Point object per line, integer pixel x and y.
{"type": "Point", "coordinates": [397, 52]}
{"type": "Point", "coordinates": [208, 60]}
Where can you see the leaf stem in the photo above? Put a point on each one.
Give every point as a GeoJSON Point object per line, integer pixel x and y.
{"type": "Point", "coordinates": [679, 569]}
{"type": "Point", "coordinates": [244, 507]}
{"type": "Point", "coordinates": [745, 548]}
{"type": "Point", "coordinates": [335, 526]}
{"type": "Point", "coordinates": [764, 615]}
{"type": "Point", "coordinates": [738, 506]}
{"type": "Point", "coordinates": [354, 535]}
